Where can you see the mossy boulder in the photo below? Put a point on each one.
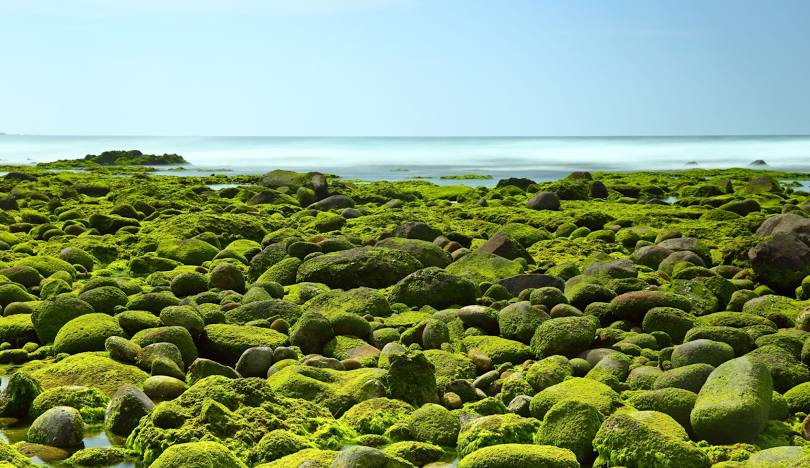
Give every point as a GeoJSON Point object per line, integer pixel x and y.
{"type": "Point", "coordinates": [478, 267]}
{"type": "Point", "coordinates": [702, 351]}
{"type": "Point", "coordinates": [197, 455]}
{"type": "Point", "coordinates": [189, 283]}
{"type": "Point", "coordinates": [175, 335]}
{"type": "Point", "coordinates": [105, 299]}
{"type": "Point", "coordinates": [548, 371]}
{"type": "Point", "coordinates": [225, 343]}
{"type": "Point", "coordinates": [311, 332]}
{"type": "Point", "coordinates": [691, 377]}
{"type": "Point", "coordinates": [86, 333]}
{"type": "Point", "coordinates": [434, 424]}
{"type": "Point", "coordinates": [47, 265]}
{"type": "Point", "coordinates": [670, 320]}
{"type": "Point", "coordinates": [268, 309]}
{"type": "Point", "coordinates": [567, 336]}
{"type": "Point", "coordinates": [646, 438]}
{"type": "Point", "coordinates": [518, 321]}
{"type": "Point", "coordinates": [17, 329]}
{"type": "Point", "coordinates": [11, 292]}
{"type": "Point", "coordinates": [572, 425]}
{"type": "Point", "coordinates": [601, 396]}
{"type": "Point", "coordinates": [20, 392]}
{"type": "Point", "coordinates": [60, 426]}
{"type": "Point", "coordinates": [734, 403]}
{"type": "Point", "coordinates": [334, 390]}
{"type": "Point", "coordinates": [360, 301]}
{"type": "Point", "coordinates": [377, 415]}
{"type": "Point", "coordinates": [499, 350]}
{"type": "Point", "coordinates": [675, 402]}
{"type": "Point", "coordinates": [100, 456]}
{"type": "Point", "coordinates": [411, 377]}
{"type": "Point", "coordinates": [520, 456]}
{"type": "Point", "coordinates": [133, 321]}
{"type": "Point", "coordinates": [236, 413]}
{"type": "Point", "coordinates": [50, 316]}
{"type": "Point", "coordinates": [494, 430]}
{"type": "Point", "coordinates": [634, 305]}
{"type": "Point", "coordinates": [91, 402]}
{"type": "Point", "coordinates": [785, 368]}
{"type": "Point", "coordinates": [428, 253]}
{"type": "Point", "coordinates": [279, 443]}
{"type": "Point", "coordinates": [187, 251]}
{"type": "Point", "coordinates": [434, 287]}
{"type": "Point", "coordinates": [314, 458]}
{"type": "Point", "coordinates": [87, 370]}
{"type": "Point", "coordinates": [361, 266]}
{"type": "Point", "coordinates": [450, 367]}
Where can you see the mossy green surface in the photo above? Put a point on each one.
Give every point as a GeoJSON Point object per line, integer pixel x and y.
{"type": "Point", "coordinates": [85, 369]}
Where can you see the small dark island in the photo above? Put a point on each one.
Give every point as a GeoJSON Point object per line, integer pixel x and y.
{"type": "Point", "coordinates": [119, 158]}
{"type": "Point", "coordinates": [134, 158]}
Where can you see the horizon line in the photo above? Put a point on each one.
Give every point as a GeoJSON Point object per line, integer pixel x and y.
{"type": "Point", "coordinates": [683, 135]}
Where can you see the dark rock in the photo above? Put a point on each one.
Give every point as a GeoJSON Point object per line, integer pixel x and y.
{"type": "Point", "coordinates": [544, 201]}
{"type": "Point", "coordinates": [781, 262]}
{"type": "Point", "coordinates": [332, 202]}
{"type": "Point", "coordinates": [784, 224]}
{"type": "Point", "coordinates": [254, 362]}
{"type": "Point", "coordinates": [60, 426]}
{"type": "Point", "coordinates": [518, 283]}
{"type": "Point", "coordinates": [519, 182]}
{"type": "Point", "coordinates": [415, 230]}
{"type": "Point", "coordinates": [126, 408]}
{"type": "Point", "coordinates": [502, 245]}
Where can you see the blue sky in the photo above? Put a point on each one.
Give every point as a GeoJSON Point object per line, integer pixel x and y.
{"type": "Point", "coordinates": [405, 67]}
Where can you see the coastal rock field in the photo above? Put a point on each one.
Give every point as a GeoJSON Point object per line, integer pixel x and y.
{"type": "Point", "coordinates": [298, 320]}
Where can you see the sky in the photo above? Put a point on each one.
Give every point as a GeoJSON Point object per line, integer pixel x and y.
{"type": "Point", "coordinates": [405, 67]}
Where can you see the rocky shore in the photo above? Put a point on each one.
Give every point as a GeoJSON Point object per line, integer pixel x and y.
{"type": "Point", "coordinates": [298, 320]}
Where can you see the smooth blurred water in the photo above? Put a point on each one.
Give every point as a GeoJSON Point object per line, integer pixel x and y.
{"type": "Point", "coordinates": [402, 158]}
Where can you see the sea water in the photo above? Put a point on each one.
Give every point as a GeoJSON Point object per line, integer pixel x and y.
{"type": "Point", "coordinates": [378, 158]}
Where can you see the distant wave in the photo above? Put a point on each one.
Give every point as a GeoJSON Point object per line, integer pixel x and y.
{"type": "Point", "coordinates": [372, 157]}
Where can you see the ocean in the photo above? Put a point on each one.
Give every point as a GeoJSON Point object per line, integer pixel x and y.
{"type": "Point", "coordinates": [398, 158]}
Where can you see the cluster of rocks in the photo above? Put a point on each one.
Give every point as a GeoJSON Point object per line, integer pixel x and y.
{"type": "Point", "coordinates": [297, 320]}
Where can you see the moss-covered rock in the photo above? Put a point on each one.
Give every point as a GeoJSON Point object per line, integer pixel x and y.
{"type": "Point", "coordinates": [567, 336]}
{"type": "Point", "coordinates": [478, 267]}
{"type": "Point", "coordinates": [494, 430]}
{"type": "Point", "coordinates": [105, 299]}
{"type": "Point", "coordinates": [225, 343]}
{"type": "Point", "coordinates": [175, 335]}
{"type": "Point", "coordinates": [236, 413]}
{"type": "Point", "coordinates": [734, 403]}
{"type": "Point", "coordinates": [520, 456]}
{"type": "Point", "coordinates": [50, 316]}
{"type": "Point", "coordinates": [362, 266]}
{"type": "Point", "coordinates": [197, 455]}
{"type": "Point", "coordinates": [675, 402]}
{"type": "Point", "coordinates": [646, 438]}
{"type": "Point", "coordinates": [90, 401]}
{"type": "Point", "coordinates": [187, 251]}
{"type": "Point", "coordinates": [499, 350]}
{"type": "Point", "coordinates": [428, 253]}
{"type": "Point", "coordinates": [87, 370]}
{"type": "Point", "coordinates": [434, 287]}
{"type": "Point", "coordinates": [377, 415]}
{"type": "Point", "coordinates": [336, 390]}
{"type": "Point", "coordinates": [17, 329]}
{"type": "Point", "coordinates": [86, 333]}
{"type": "Point", "coordinates": [572, 425]}
{"type": "Point", "coordinates": [580, 389]}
